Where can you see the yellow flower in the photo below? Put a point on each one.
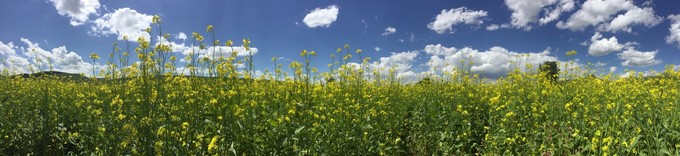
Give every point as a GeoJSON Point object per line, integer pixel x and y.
{"type": "Point", "coordinates": [213, 143]}
{"type": "Point", "coordinates": [121, 116]}
{"type": "Point", "coordinates": [229, 43]}
{"type": "Point", "coordinates": [158, 147]}
{"type": "Point", "coordinates": [510, 114]}
{"type": "Point", "coordinates": [156, 19]}
{"type": "Point", "coordinates": [185, 125]}
{"type": "Point", "coordinates": [94, 56]}
{"type": "Point", "coordinates": [571, 53]}
{"type": "Point", "coordinates": [209, 28]}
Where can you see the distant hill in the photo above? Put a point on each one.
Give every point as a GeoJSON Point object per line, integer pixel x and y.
{"type": "Point", "coordinates": [58, 74]}
{"type": "Point", "coordinates": [82, 78]}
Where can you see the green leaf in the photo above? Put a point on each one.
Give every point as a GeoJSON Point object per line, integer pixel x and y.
{"type": "Point", "coordinates": [665, 151]}
{"type": "Point", "coordinates": [299, 129]}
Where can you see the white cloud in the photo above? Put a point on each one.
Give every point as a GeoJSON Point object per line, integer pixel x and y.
{"type": "Point", "coordinates": [10, 61]}
{"type": "Point", "coordinates": [223, 51]}
{"type": "Point", "coordinates": [492, 27]}
{"type": "Point", "coordinates": [389, 30]}
{"type": "Point", "coordinates": [377, 49]}
{"type": "Point", "coordinates": [321, 17]}
{"type": "Point", "coordinates": [603, 46]}
{"type": "Point", "coordinates": [635, 74]}
{"type": "Point", "coordinates": [492, 63]}
{"type": "Point", "coordinates": [78, 10]}
{"type": "Point", "coordinates": [632, 57]}
{"type": "Point", "coordinates": [554, 13]}
{"type": "Point", "coordinates": [401, 63]}
{"type": "Point", "coordinates": [674, 36]}
{"type": "Point", "coordinates": [445, 21]}
{"type": "Point", "coordinates": [175, 46]}
{"type": "Point", "coordinates": [439, 50]}
{"type": "Point", "coordinates": [181, 36]}
{"type": "Point", "coordinates": [612, 69]}
{"type": "Point", "coordinates": [594, 12]}
{"type": "Point", "coordinates": [641, 16]}
{"type": "Point", "coordinates": [33, 58]}
{"type": "Point", "coordinates": [599, 13]}
{"type": "Point", "coordinates": [123, 22]}
{"type": "Point", "coordinates": [7, 49]}
{"type": "Point", "coordinates": [525, 12]}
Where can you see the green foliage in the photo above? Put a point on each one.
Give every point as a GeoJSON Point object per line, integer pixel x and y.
{"type": "Point", "coordinates": [551, 70]}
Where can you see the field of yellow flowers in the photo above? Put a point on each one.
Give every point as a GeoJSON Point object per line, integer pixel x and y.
{"type": "Point", "coordinates": [147, 108]}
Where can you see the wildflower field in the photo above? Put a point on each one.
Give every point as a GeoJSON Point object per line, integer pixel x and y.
{"type": "Point", "coordinates": [148, 107]}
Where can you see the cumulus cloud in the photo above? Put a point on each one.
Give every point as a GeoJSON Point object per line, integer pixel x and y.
{"type": "Point", "coordinates": [554, 13]}
{"type": "Point", "coordinates": [612, 69]}
{"type": "Point", "coordinates": [218, 51]}
{"type": "Point", "coordinates": [389, 30]}
{"type": "Point", "coordinates": [526, 12]}
{"type": "Point", "coordinates": [78, 11]}
{"type": "Point", "coordinates": [599, 13]}
{"type": "Point", "coordinates": [445, 21]}
{"type": "Point", "coordinates": [377, 49]}
{"type": "Point", "coordinates": [674, 36]}
{"type": "Point", "coordinates": [643, 74]}
{"type": "Point", "coordinates": [181, 36]}
{"type": "Point", "coordinates": [7, 49]}
{"type": "Point", "coordinates": [10, 61]}
{"type": "Point", "coordinates": [123, 22]}
{"type": "Point", "coordinates": [321, 17]}
{"type": "Point", "coordinates": [174, 46]}
{"type": "Point", "coordinates": [603, 46]}
{"type": "Point", "coordinates": [439, 50]}
{"type": "Point", "coordinates": [635, 16]}
{"type": "Point", "coordinates": [401, 63]}
{"type": "Point", "coordinates": [492, 63]}
{"type": "Point", "coordinates": [32, 57]}
{"type": "Point", "coordinates": [632, 57]}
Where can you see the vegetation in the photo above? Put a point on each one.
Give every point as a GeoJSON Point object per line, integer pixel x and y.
{"type": "Point", "coordinates": [149, 108]}
{"type": "Point", "coordinates": [551, 70]}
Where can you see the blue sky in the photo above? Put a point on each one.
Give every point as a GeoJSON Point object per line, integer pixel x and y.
{"type": "Point", "coordinates": [427, 36]}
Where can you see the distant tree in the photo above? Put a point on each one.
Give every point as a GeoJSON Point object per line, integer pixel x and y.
{"type": "Point", "coordinates": [551, 70]}
{"type": "Point", "coordinates": [425, 81]}
{"type": "Point", "coordinates": [330, 80]}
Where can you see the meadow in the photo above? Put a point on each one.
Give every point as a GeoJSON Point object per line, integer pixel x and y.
{"type": "Point", "coordinates": [149, 107]}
